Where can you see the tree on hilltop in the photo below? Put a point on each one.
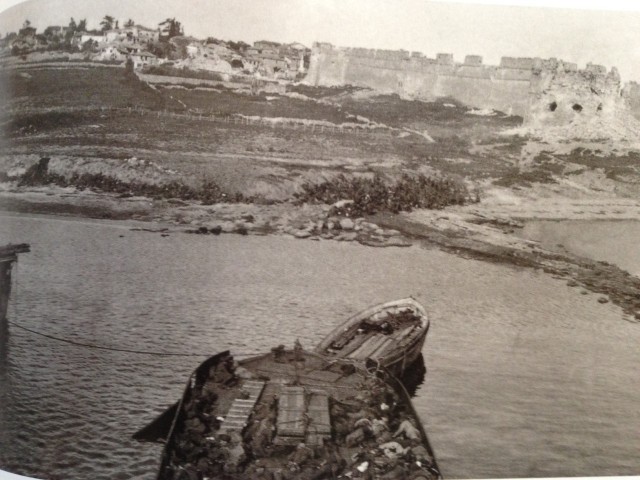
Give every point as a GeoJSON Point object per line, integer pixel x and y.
{"type": "Point", "coordinates": [239, 47]}
{"type": "Point", "coordinates": [107, 23]}
{"type": "Point", "coordinates": [74, 27]}
{"type": "Point", "coordinates": [89, 46]}
{"type": "Point", "coordinates": [172, 28]}
{"type": "Point", "coordinates": [129, 23]}
{"type": "Point", "coordinates": [26, 30]}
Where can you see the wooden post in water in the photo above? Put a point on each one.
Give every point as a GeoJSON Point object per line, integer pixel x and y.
{"type": "Point", "coordinates": [8, 255]}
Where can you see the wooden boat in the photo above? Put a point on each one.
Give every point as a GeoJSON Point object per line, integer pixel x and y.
{"type": "Point", "coordinates": [8, 255]}
{"type": "Point", "coordinates": [391, 334]}
{"type": "Point", "coordinates": [293, 414]}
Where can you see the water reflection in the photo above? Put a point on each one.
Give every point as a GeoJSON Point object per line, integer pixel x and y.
{"type": "Point", "coordinates": [414, 376]}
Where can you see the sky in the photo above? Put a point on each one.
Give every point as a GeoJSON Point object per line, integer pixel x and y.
{"type": "Point", "coordinates": [577, 32]}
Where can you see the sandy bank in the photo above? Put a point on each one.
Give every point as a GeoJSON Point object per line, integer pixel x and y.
{"type": "Point", "coordinates": [563, 201]}
{"type": "Point", "coordinates": [312, 222]}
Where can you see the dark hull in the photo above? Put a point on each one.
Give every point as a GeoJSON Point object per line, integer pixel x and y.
{"type": "Point", "coordinates": [178, 418]}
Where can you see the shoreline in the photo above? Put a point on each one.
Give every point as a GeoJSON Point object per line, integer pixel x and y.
{"type": "Point", "coordinates": [457, 230]}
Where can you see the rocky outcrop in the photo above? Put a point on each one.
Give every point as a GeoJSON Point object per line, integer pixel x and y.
{"type": "Point", "coordinates": [568, 104]}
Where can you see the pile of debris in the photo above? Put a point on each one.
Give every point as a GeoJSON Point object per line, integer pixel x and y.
{"type": "Point", "coordinates": [392, 322]}
{"type": "Point", "coordinates": [371, 432]}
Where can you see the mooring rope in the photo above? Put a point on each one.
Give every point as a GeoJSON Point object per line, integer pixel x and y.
{"type": "Point", "coordinates": [91, 345]}
{"type": "Point", "coordinates": [113, 349]}
{"type": "Point", "coordinates": [102, 347]}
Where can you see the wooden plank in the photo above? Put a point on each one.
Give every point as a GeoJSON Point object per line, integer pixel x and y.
{"type": "Point", "coordinates": [368, 347]}
{"type": "Point", "coordinates": [344, 337]}
{"type": "Point", "coordinates": [292, 398]}
{"type": "Point", "coordinates": [402, 334]}
{"type": "Point", "coordinates": [291, 413]}
{"type": "Point", "coordinates": [240, 411]}
{"type": "Point", "coordinates": [323, 375]}
{"type": "Point", "coordinates": [318, 413]}
{"type": "Point", "coordinates": [9, 253]}
{"type": "Point", "coordinates": [382, 350]}
{"type": "Point", "coordinates": [357, 341]}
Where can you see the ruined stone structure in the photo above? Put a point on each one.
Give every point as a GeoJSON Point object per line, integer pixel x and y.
{"type": "Point", "coordinates": [560, 92]}
{"type": "Point", "coordinates": [631, 95]}
{"type": "Point", "coordinates": [539, 90]}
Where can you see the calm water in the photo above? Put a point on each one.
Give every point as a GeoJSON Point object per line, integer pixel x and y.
{"type": "Point", "coordinates": [611, 241]}
{"type": "Point", "coordinates": [526, 377]}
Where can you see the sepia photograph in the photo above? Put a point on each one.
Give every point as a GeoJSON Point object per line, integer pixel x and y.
{"type": "Point", "coordinates": [319, 239]}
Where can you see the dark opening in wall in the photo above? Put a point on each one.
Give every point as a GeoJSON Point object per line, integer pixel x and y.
{"type": "Point", "coordinates": [553, 106]}
{"type": "Point", "coordinates": [577, 107]}
{"type": "Point", "coordinates": [600, 107]}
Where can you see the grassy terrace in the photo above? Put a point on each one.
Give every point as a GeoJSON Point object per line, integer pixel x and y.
{"type": "Point", "coordinates": [70, 87]}
{"type": "Point", "coordinates": [251, 159]}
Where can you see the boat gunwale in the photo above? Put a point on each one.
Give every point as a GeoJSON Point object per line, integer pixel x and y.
{"type": "Point", "coordinates": [395, 356]}
{"type": "Point", "coordinates": [420, 425]}
{"type": "Point", "coordinates": [191, 383]}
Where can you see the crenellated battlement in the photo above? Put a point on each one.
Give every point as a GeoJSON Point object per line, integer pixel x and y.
{"type": "Point", "coordinates": [418, 58]}
{"type": "Point", "coordinates": [511, 86]}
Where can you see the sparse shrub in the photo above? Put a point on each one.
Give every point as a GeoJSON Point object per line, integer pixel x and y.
{"type": "Point", "coordinates": [371, 195]}
{"type": "Point", "coordinates": [208, 193]}
{"type": "Point", "coordinates": [38, 174]}
{"type": "Point", "coordinates": [525, 179]}
{"type": "Point", "coordinates": [38, 122]}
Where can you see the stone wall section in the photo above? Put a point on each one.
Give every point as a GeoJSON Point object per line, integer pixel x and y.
{"type": "Point", "coordinates": [528, 87]}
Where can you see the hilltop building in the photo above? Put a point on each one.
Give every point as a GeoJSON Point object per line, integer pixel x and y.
{"type": "Point", "coordinates": [134, 34]}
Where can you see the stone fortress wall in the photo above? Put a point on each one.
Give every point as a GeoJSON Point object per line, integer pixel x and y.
{"type": "Point", "coordinates": [547, 90]}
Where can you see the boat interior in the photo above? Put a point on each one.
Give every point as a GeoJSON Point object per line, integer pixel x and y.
{"type": "Point", "coordinates": [372, 337]}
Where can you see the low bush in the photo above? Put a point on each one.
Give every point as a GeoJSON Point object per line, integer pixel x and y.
{"type": "Point", "coordinates": [39, 122]}
{"type": "Point", "coordinates": [525, 179]}
{"type": "Point", "coordinates": [208, 193]}
{"type": "Point", "coordinates": [371, 195]}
